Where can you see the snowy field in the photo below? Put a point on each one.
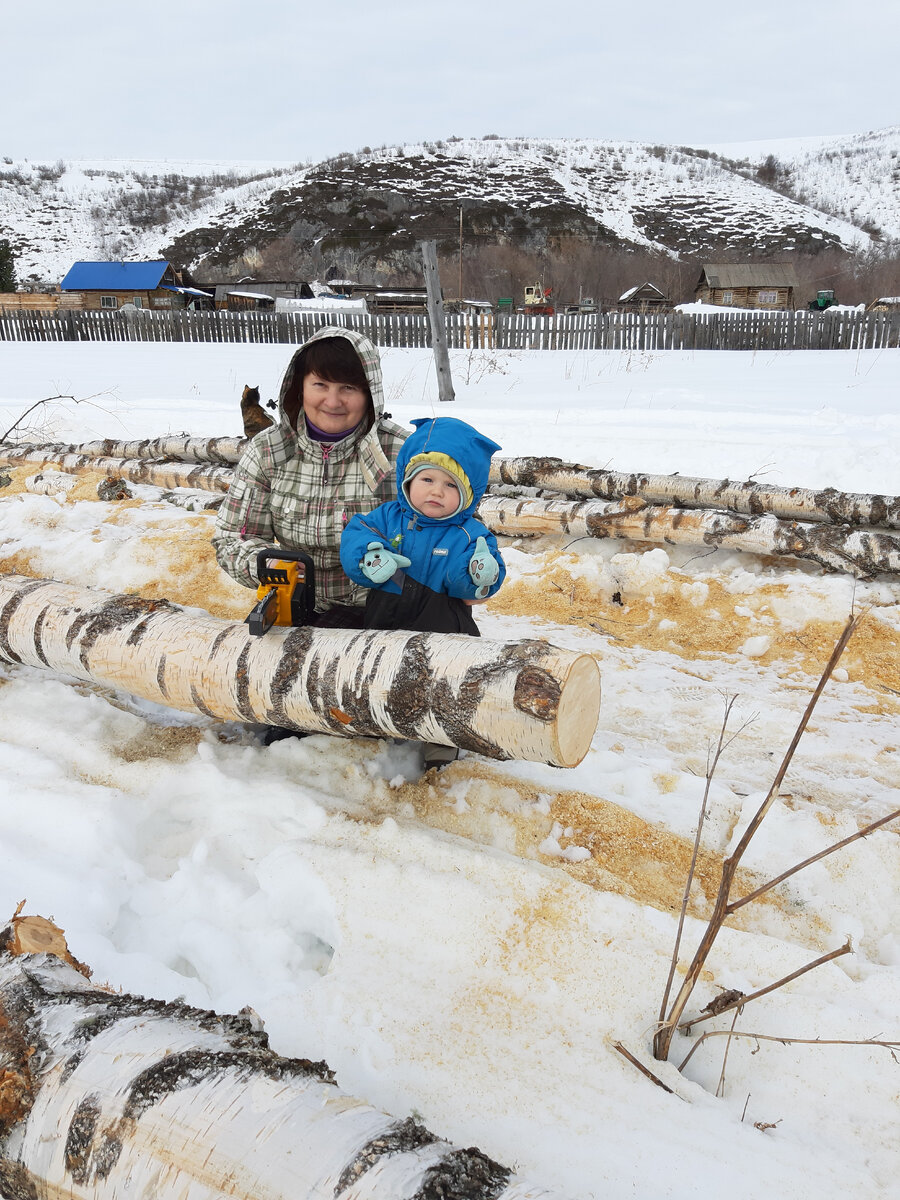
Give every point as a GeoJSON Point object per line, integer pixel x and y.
{"type": "Point", "coordinates": [468, 948]}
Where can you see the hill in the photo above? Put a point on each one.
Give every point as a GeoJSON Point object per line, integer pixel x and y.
{"type": "Point", "coordinates": [363, 214]}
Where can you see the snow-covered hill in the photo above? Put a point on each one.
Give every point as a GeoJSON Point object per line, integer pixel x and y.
{"type": "Point", "coordinates": [755, 200]}
{"type": "Point", "coordinates": [57, 213]}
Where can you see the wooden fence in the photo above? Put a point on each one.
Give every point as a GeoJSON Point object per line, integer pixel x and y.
{"type": "Point", "coordinates": [830, 330]}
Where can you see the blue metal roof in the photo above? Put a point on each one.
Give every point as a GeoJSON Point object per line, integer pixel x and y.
{"type": "Point", "coordinates": [114, 276]}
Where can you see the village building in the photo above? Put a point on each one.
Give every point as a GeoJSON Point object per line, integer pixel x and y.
{"type": "Point", "coordinates": [109, 286]}
{"type": "Point", "coordinates": [757, 285]}
{"type": "Point", "coordinates": [645, 297]}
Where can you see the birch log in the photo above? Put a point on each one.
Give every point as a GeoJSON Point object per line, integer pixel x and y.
{"type": "Point", "coordinates": [105, 1096]}
{"type": "Point", "coordinates": [857, 552]}
{"type": "Point", "coordinates": [524, 700]}
{"type": "Point", "coordinates": [183, 448]}
{"type": "Point", "coordinates": [754, 499]}
{"type": "Point", "coordinates": [163, 474]}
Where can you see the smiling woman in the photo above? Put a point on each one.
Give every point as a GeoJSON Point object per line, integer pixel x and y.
{"type": "Point", "coordinates": [297, 484]}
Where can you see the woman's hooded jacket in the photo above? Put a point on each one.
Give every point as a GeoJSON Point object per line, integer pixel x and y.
{"type": "Point", "coordinates": [288, 491]}
{"type": "Point", "coordinates": [439, 549]}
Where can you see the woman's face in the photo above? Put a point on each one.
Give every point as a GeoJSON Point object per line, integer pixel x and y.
{"type": "Point", "coordinates": [333, 407]}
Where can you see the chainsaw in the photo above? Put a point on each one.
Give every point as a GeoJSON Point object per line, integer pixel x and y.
{"type": "Point", "coordinates": [287, 590]}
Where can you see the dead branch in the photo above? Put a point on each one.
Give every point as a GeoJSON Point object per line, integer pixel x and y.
{"type": "Point", "coordinates": [847, 948]}
{"type": "Point", "coordinates": [643, 1070]}
{"type": "Point", "coordinates": [892, 1046]}
{"type": "Point", "coordinates": [46, 400]}
{"type": "Point", "coordinates": [663, 1037]}
{"type": "Point", "coordinates": [854, 837]}
{"type": "Point", "coordinates": [682, 916]}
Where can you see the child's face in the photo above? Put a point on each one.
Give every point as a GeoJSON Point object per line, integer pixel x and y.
{"type": "Point", "coordinates": [434, 493]}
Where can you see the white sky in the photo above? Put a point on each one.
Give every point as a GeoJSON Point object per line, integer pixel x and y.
{"type": "Point", "coordinates": [290, 80]}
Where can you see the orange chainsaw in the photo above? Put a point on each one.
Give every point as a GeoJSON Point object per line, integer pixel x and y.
{"type": "Point", "coordinates": [287, 590]}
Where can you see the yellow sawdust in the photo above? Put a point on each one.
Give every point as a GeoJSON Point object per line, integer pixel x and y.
{"type": "Point", "coordinates": [629, 856]}
{"type": "Point", "coordinates": [689, 631]}
{"type": "Point", "coordinates": [179, 557]}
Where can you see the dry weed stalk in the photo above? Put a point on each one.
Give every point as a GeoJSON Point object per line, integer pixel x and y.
{"type": "Point", "coordinates": [886, 1044]}
{"type": "Point", "coordinates": [723, 907]}
{"type": "Point", "coordinates": [50, 400]}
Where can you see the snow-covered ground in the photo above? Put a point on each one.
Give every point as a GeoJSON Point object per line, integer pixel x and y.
{"type": "Point", "coordinates": [469, 948]}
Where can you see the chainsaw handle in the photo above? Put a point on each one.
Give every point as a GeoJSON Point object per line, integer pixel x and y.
{"type": "Point", "coordinates": [271, 575]}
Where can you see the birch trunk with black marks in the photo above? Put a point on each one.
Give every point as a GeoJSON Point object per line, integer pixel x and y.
{"type": "Point", "coordinates": [523, 700]}
{"type": "Point", "coordinates": [219, 450]}
{"type": "Point", "coordinates": [755, 499]}
{"type": "Point", "coordinates": [858, 552]}
{"type": "Point", "coordinates": [105, 1096]}
{"type": "Point", "coordinates": [163, 474]}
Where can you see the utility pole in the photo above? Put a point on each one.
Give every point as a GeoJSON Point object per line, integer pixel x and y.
{"type": "Point", "coordinates": [459, 294]}
{"type": "Point", "coordinates": [436, 321]}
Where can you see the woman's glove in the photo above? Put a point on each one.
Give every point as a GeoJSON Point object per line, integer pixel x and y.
{"type": "Point", "coordinates": [379, 564]}
{"type": "Point", "coordinates": [483, 568]}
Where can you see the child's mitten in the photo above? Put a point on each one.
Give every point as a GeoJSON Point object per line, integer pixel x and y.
{"type": "Point", "coordinates": [379, 564]}
{"type": "Point", "coordinates": [483, 568]}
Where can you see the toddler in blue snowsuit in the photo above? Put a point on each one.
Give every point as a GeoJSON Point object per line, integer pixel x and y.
{"type": "Point", "coordinates": [424, 555]}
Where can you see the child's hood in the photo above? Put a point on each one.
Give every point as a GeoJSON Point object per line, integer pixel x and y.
{"type": "Point", "coordinates": [461, 442]}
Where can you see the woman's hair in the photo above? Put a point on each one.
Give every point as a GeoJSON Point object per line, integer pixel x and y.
{"type": "Point", "coordinates": [334, 359]}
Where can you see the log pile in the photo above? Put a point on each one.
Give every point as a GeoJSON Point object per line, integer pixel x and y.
{"type": "Point", "coordinates": [863, 553]}
{"type": "Point", "coordinates": [839, 531]}
{"type": "Point", "coordinates": [105, 1095]}
{"type": "Point", "coordinates": [523, 700]}
{"type": "Point", "coordinates": [679, 491]}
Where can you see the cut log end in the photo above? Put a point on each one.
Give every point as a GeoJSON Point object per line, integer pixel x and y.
{"type": "Point", "coordinates": [37, 935]}
{"type": "Point", "coordinates": [579, 704]}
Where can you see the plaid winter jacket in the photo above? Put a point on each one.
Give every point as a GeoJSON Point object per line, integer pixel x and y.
{"type": "Point", "coordinates": [287, 492]}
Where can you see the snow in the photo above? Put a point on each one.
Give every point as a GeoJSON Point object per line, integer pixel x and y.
{"type": "Point", "coordinates": [57, 213]}
{"type": "Point", "coordinates": [471, 948]}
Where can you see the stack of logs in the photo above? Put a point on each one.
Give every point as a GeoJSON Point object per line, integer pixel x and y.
{"type": "Point", "coordinates": [838, 531]}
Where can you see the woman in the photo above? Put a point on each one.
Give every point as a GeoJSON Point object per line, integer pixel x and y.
{"type": "Point", "coordinates": [298, 483]}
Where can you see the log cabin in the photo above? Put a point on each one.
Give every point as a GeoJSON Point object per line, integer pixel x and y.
{"type": "Point", "coordinates": [747, 285]}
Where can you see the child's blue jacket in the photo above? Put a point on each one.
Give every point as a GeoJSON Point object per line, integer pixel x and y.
{"type": "Point", "coordinates": [439, 550]}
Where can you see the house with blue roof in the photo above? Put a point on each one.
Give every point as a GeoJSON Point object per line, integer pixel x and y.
{"type": "Point", "coordinates": [111, 285]}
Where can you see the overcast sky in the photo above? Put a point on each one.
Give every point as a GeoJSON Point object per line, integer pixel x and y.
{"type": "Point", "coordinates": [290, 80]}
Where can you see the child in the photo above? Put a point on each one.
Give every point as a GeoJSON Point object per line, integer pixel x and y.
{"type": "Point", "coordinates": [423, 555]}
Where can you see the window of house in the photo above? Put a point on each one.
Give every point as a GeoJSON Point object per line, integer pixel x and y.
{"type": "Point", "coordinates": [137, 302]}
{"type": "Point", "coordinates": [728, 297]}
{"type": "Point", "coordinates": [768, 297]}
{"type": "Point", "coordinates": [108, 302]}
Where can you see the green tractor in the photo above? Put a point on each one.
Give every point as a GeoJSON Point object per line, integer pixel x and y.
{"type": "Point", "coordinates": [822, 301]}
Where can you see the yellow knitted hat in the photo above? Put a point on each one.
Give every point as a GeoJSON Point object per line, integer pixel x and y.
{"type": "Point", "coordinates": [434, 458]}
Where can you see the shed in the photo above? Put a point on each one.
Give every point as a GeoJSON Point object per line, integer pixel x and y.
{"type": "Point", "coordinates": [741, 285]}
{"type": "Point", "coordinates": [237, 299]}
{"type": "Point", "coordinates": [645, 297]}
{"type": "Point", "coordinates": [109, 285]}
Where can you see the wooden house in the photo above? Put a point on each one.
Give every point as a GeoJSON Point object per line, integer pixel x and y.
{"type": "Point", "coordinates": [737, 285]}
{"type": "Point", "coordinates": [645, 297]}
{"type": "Point", "coordinates": [111, 285]}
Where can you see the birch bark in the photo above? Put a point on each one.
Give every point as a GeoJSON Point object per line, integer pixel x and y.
{"type": "Point", "coordinates": [104, 1095]}
{"type": "Point", "coordinates": [755, 499]}
{"type": "Point", "coordinates": [523, 700]}
{"type": "Point", "coordinates": [862, 553]}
